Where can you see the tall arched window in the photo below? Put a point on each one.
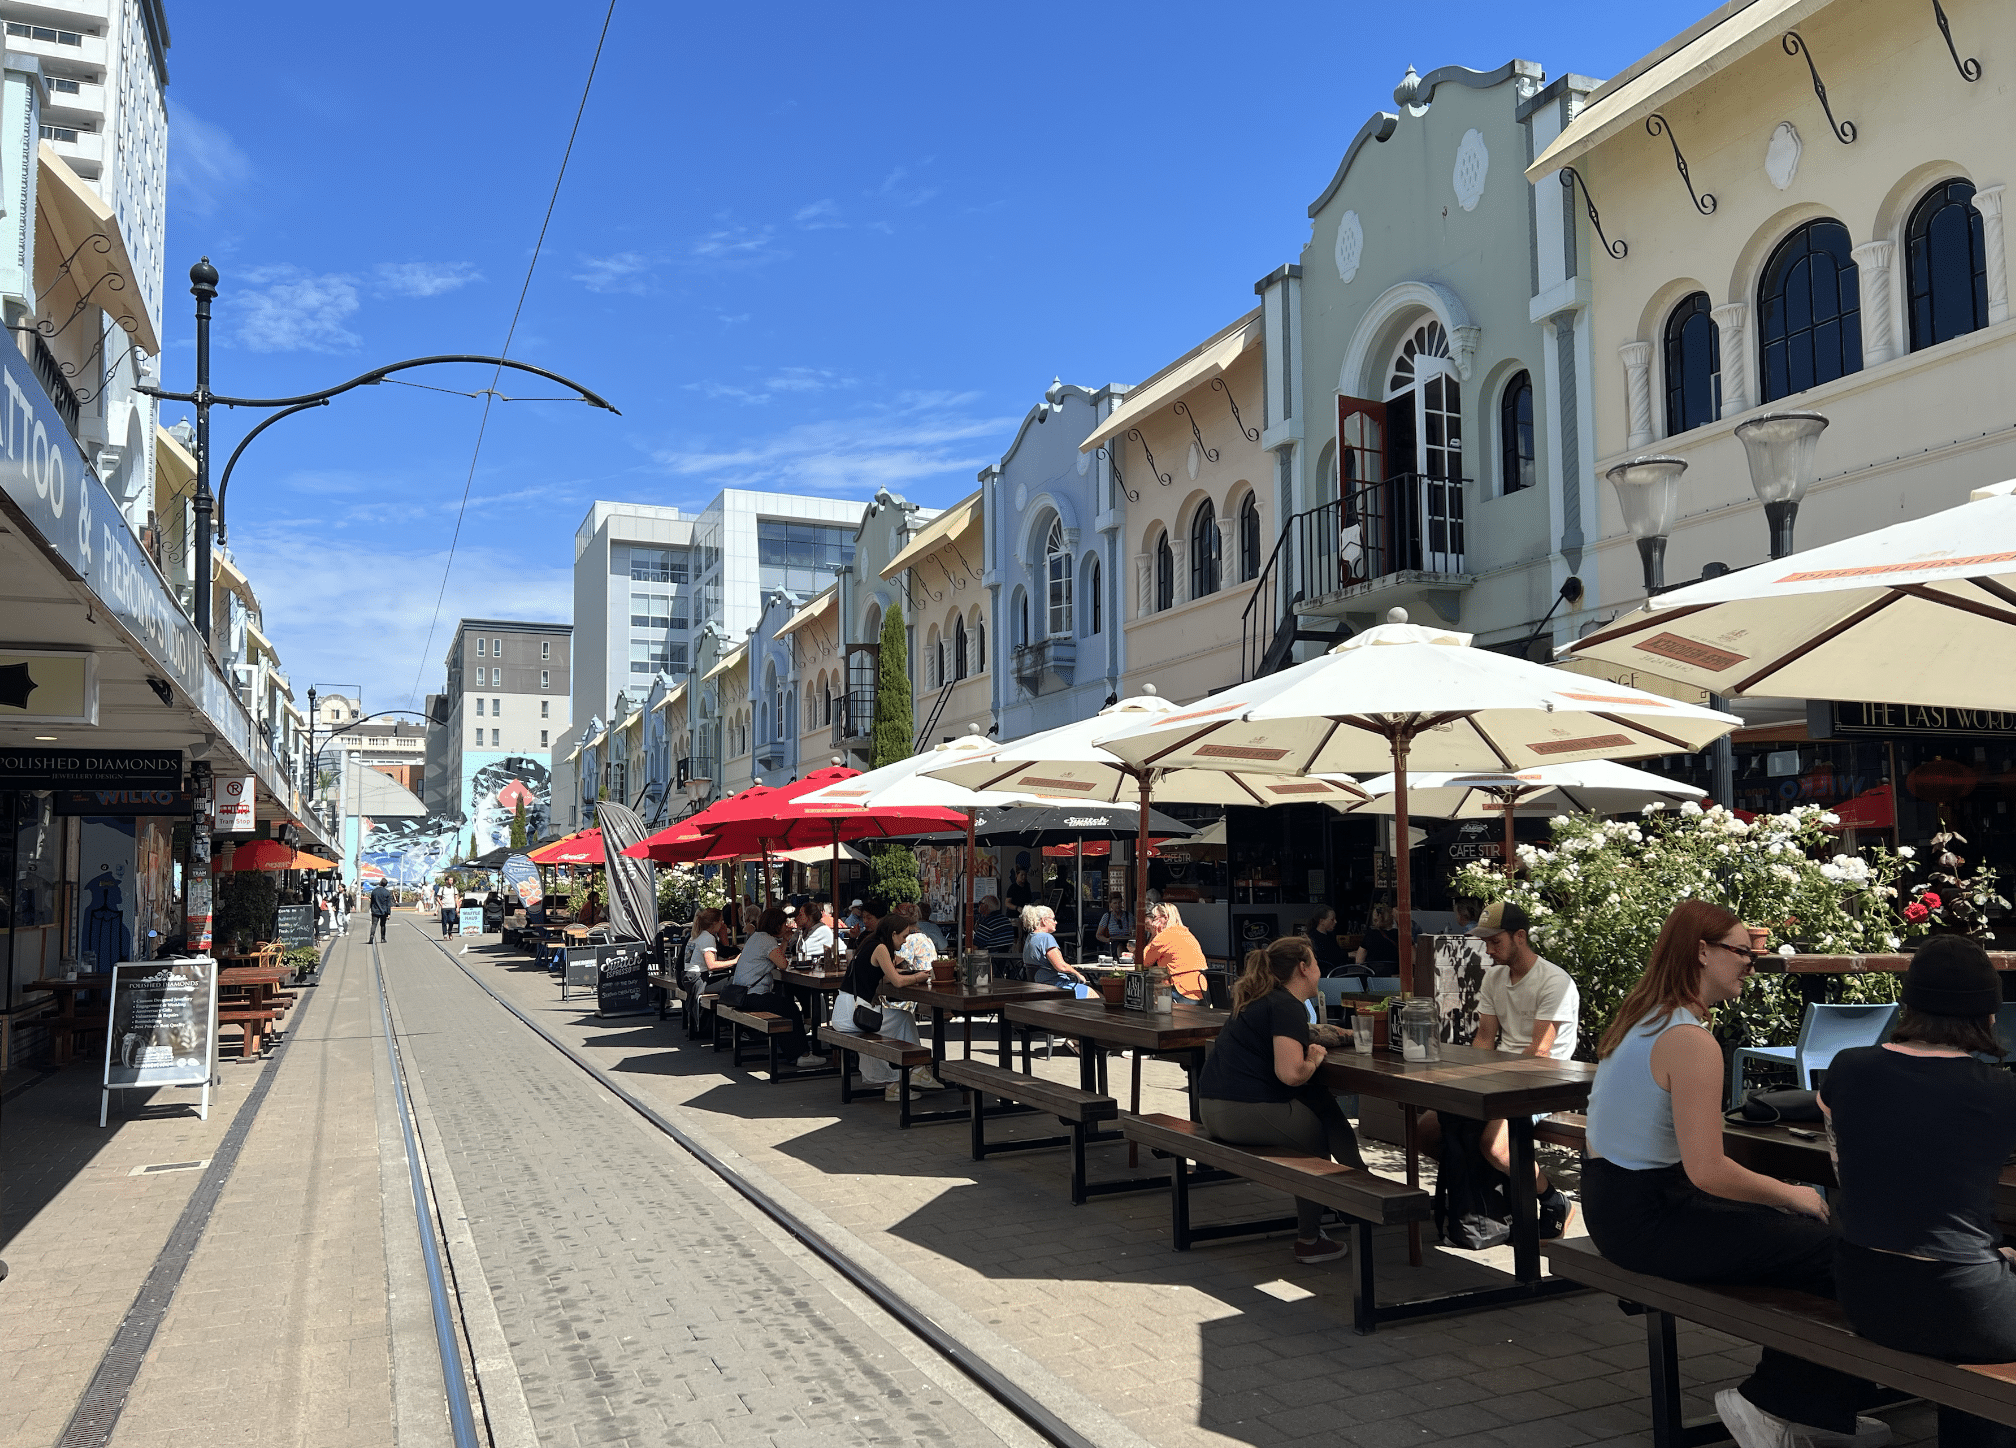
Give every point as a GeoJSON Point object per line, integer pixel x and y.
{"type": "Point", "coordinates": [959, 670]}
{"type": "Point", "coordinates": [1057, 570]}
{"type": "Point", "coordinates": [1249, 538]}
{"type": "Point", "coordinates": [932, 677]}
{"type": "Point", "coordinates": [979, 644]}
{"type": "Point", "coordinates": [1097, 612]}
{"type": "Point", "coordinates": [1946, 266]}
{"type": "Point", "coordinates": [1693, 358]}
{"type": "Point", "coordinates": [1809, 311]}
{"type": "Point", "coordinates": [1205, 547]}
{"type": "Point", "coordinates": [1018, 621]}
{"type": "Point", "coordinates": [1515, 433]}
{"type": "Point", "coordinates": [1165, 573]}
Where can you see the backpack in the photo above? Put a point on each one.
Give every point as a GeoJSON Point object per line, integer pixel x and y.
{"type": "Point", "coordinates": [1473, 1209]}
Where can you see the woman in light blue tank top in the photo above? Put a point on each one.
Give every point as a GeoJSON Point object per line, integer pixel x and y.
{"type": "Point", "coordinates": [1661, 1197]}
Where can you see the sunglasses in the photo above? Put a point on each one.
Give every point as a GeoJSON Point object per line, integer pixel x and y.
{"type": "Point", "coordinates": [1743, 950]}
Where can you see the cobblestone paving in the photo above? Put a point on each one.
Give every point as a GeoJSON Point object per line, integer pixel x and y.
{"type": "Point", "coordinates": [1230, 1343]}
{"type": "Point", "coordinates": [644, 1303]}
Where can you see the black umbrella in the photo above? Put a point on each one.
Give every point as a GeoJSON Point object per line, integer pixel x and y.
{"type": "Point", "coordinates": [1033, 826]}
{"type": "Point", "coordinates": [490, 859]}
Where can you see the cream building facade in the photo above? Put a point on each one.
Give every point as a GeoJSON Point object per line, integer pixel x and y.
{"type": "Point", "coordinates": [939, 574]}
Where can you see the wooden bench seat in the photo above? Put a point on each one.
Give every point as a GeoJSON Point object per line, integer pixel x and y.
{"type": "Point", "coordinates": [903, 1055]}
{"type": "Point", "coordinates": [767, 1026]}
{"type": "Point", "coordinates": [1366, 1199]}
{"type": "Point", "coordinates": [65, 1031]}
{"type": "Point", "coordinates": [252, 1021]}
{"type": "Point", "coordinates": [1076, 1109]}
{"type": "Point", "coordinates": [1564, 1128]}
{"type": "Point", "coordinates": [1808, 1327]}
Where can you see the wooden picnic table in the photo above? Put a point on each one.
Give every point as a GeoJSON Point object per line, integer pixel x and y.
{"type": "Point", "coordinates": [68, 1022]}
{"type": "Point", "coordinates": [819, 985]}
{"type": "Point", "coordinates": [947, 1001]}
{"type": "Point", "coordinates": [1777, 1150]}
{"type": "Point", "coordinates": [1485, 1086]}
{"type": "Point", "coordinates": [1098, 1028]}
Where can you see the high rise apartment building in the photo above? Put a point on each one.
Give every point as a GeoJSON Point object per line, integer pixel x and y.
{"type": "Point", "coordinates": [506, 703]}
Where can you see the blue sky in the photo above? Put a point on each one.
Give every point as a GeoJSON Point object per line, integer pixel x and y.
{"type": "Point", "coordinates": [801, 247]}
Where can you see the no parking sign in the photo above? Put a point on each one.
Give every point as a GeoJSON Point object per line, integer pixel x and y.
{"type": "Point", "coordinates": [235, 798]}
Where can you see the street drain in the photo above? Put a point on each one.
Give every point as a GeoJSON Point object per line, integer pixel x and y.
{"type": "Point", "coordinates": [161, 1166]}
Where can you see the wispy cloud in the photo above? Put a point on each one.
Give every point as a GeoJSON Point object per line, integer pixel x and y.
{"type": "Point", "coordinates": [819, 216]}
{"type": "Point", "coordinates": [623, 271]}
{"type": "Point", "coordinates": [423, 278]}
{"type": "Point", "coordinates": [898, 189]}
{"type": "Point", "coordinates": [205, 166]}
{"type": "Point", "coordinates": [289, 310]}
{"type": "Point", "coordinates": [738, 246]}
{"type": "Point", "coordinates": [785, 379]}
{"type": "Point", "coordinates": [917, 436]}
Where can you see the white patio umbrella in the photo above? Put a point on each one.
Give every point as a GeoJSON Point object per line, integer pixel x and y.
{"type": "Point", "coordinates": [1922, 612]}
{"type": "Point", "coordinates": [1405, 694]}
{"type": "Point", "coordinates": [1599, 786]}
{"type": "Point", "coordinates": [1071, 760]}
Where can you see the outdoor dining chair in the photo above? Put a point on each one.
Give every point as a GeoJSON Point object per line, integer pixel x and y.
{"type": "Point", "coordinates": [1826, 1031]}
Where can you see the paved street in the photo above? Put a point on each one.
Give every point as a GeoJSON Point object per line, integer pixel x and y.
{"type": "Point", "coordinates": [612, 1290]}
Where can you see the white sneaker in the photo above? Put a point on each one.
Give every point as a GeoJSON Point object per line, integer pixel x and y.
{"type": "Point", "coordinates": [893, 1092]}
{"type": "Point", "coordinates": [1752, 1427]}
{"type": "Point", "coordinates": [925, 1081]}
{"type": "Point", "coordinates": [811, 1061]}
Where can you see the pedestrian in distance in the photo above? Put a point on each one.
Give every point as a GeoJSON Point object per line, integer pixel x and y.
{"type": "Point", "coordinates": [381, 911]}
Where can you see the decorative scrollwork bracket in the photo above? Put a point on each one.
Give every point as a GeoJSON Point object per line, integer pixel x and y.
{"type": "Point", "coordinates": [1616, 250]}
{"type": "Point", "coordinates": [1658, 125]}
{"type": "Point", "coordinates": [1970, 68]}
{"type": "Point", "coordinates": [1183, 411]}
{"type": "Point", "coordinates": [1795, 44]}
{"type": "Point", "coordinates": [1134, 434]}
{"type": "Point", "coordinates": [1112, 458]}
{"type": "Point", "coordinates": [1252, 434]}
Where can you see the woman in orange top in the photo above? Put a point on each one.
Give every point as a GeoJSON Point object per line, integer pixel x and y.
{"type": "Point", "coordinates": [1173, 947]}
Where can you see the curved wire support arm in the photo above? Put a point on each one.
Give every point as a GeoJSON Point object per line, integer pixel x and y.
{"type": "Point", "coordinates": [105, 377]}
{"type": "Point", "coordinates": [1795, 44]}
{"type": "Point", "coordinates": [1112, 457]}
{"type": "Point", "coordinates": [379, 374]}
{"type": "Point", "coordinates": [1251, 434]}
{"type": "Point", "coordinates": [1183, 411]}
{"type": "Point", "coordinates": [85, 301]}
{"type": "Point", "coordinates": [1134, 434]}
{"type": "Point", "coordinates": [1970, 68]}
{"type": "Point", "coordinates": [224, 483]}
{"type": "Point", "coordinates": [103, 248]}
{"type": "Point", "coordinates": [1616, 250]}
{"type": "Point", "coordinates": [1658, 125]}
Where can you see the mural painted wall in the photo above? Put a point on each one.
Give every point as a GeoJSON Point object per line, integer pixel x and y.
{"type": "Point", "coordinates": [412, 851]}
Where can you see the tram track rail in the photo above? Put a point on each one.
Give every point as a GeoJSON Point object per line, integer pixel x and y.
{"type": "Point", "coordinates": [975, 1367]}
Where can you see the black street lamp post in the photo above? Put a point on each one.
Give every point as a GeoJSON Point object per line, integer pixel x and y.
{"type": "Point", "coordinates": [203, 286]}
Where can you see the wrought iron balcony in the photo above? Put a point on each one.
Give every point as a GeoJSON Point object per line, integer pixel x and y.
{"type": "Point", "coordinates": [1050, 661]}
{"type": "Point", "coordinates": [49, 372]}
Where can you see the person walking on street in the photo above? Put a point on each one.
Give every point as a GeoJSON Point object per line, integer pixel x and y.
{"type": "Point", "coordinates": [381, 911]}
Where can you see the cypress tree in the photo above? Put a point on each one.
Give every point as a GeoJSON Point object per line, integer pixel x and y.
{"type": "Point", "coordinates": [518, 826]}
{"type": "Point", "coordinates": [895, 866]}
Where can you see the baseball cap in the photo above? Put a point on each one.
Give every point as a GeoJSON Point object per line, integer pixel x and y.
{"type": "Point", "coordinates": [856, 905]}
{"type": "Point", "coordinates": [1499, 917]}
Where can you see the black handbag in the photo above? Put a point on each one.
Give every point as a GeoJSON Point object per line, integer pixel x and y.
{"type": "Point", "coordinates": [1765, 1107]}
{"type": "Point", "coordinates": [867, 1019]}
{"type": "Point", "coordinates": [732, 995]}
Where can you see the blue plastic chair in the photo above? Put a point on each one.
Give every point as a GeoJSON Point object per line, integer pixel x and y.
{"type": "Point", "coordinates": [1383, 985]}
{"type": "Point", "coordinates": [1334, 989]}
{"type": "Point", "coordinates": [2005, 1029]}
{"type": "Point", "coordinates": [1823, 1034]}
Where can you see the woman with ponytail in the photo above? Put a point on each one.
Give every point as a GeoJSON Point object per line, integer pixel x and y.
{"type": "Point", "coordinates": [1258, 1087]}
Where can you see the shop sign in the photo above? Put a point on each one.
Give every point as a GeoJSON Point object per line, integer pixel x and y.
{"type": "Point", "coordinates": [236, 798]}
{"type": "Point", "coordinates": [44, 686]}
{"type": "Point", "coordinates": [90, 768]}
{"type": "Point", "coordinates": [1859, 716]}
{"type": "Point", "coordinates": [125, 802]}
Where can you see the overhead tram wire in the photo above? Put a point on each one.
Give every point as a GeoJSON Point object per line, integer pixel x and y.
{"type": "Point", "coordinates": [490, 394]}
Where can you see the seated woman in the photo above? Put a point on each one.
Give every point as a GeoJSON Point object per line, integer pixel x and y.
{"type": "Point", "coordinates": [1662, 1199]}
{"type": "Point", "coordinates": [1172, 946]}
{"type": "Point", "coordinates": [878, 961]}
{"type": "Point", "coordinates": [1116, 926]}
{"type": "Point", "coordinates": [1381, 950]}
{"type": "Point", "coordinates": [759, 970]}
{"type": "Point", "coordinates": [1041, 956]}
{"type": "Point", "coordinates": [1257, 1086]}
{"type": "Point", "coordinates": [1921, 1129]}
{"type": "Point", "coordinates": [702, 944]}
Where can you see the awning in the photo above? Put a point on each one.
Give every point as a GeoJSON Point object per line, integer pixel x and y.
{"type": "Point", "coordinates": [1717, 46]}
{"type": "Point", "coordinates": [729, 660]}
{"type": "Point", "coordinates": [68, 217]}
{"type": "Point", "coordinates": [1193, 367]}
{"type": "Point", "coordinates": [678, 692]}
{"type": "Point", "coordinates": [224, 571]}
{"type": "Point", "coordinates": [950, 526]}
{"type": "Point", "coordinates": [261, 642]}
{"type": "Point", "coordinates": [821, 604]}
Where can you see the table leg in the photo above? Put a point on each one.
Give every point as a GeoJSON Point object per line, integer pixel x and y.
{"type": "Point", "coordinates": [966, 1033]}
{"type": "Point", "coordinates": [1007, 1041]}
{"type": "Point", "coordinates": [937, 1038]}
{"type": "Point", "coordinates": [1413, 1115]}
{"type": "Point", "coordinates": [1091, 1066]}
{"type": "Point", "coordinates": [1525, 1210]}
{"type": "Point", "coordinates": [1134, 1105]}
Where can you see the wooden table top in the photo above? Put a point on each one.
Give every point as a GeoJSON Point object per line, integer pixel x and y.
{"type": "Point", "coordinates": [251, 974]}
{"type": "Point", "coordinates": [1858, 964]}
{"type": "Point", "coordinates": [83, 982]}
{"type": "Point", "coordinates": [816, 979]}
{"type": "Point", "coordinates": [1776, 1152]}
{"type": "Point", "coordinates": [951, 998]}
{"type": "Point", "coordinates": [1094, 1020]}
{"type": "Point", "coordinates": [1483, 1085]}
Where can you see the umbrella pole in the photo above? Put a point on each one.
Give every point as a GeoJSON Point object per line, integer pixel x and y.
{"type": "Point", "coordinates": [1403, 923]}
{"type": "Point", "coordinates": [1141, 867]}
{"type": "Point", "coordinates": [1078, 906]}
{"type": "Point", "coordinates": [972, 863]}
{"type": "Point", "coordinates": [767, 901]}
{"type": "Point", "coordinates": [833, 950]}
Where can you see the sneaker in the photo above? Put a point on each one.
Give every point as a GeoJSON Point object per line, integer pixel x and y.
{"type": "Point", "coordinates": [1869, 1433]}
{"type": "Point", "coordinates": [925, 1081]}
{"type": "Point", "coordinates": [1557, 1210]}
{"type": "Point", "coordinates": [811, 1061]}
{"type": "Point", "coordinates": [1749, 1424]}
{"type": "Point", "coordinates": [893, 1092]}
{"type": "Point", "coordinates": [1323, 1249]}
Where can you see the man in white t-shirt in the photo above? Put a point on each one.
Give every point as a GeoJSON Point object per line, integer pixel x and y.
{"type": "Point", "coordinates": [1528, 1006]}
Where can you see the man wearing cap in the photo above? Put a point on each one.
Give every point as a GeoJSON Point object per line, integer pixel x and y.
{"type": "Point", "coordinates": [851, 926]}
{"type": "Point", "coordinates": [1528, 1006]}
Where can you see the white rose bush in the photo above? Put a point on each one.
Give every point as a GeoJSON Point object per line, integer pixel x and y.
{"type": "Point", "coordinates": [1599, 891]}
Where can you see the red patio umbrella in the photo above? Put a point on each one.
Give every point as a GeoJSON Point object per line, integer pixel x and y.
{"type": "Point", "coordinates": [584, 847]}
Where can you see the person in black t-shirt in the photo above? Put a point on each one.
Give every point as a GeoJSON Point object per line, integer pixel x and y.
{"type": "Point", "coordinates": [1920, 1131]}
{"type": "Point", "coordinates": [1258, 1086]}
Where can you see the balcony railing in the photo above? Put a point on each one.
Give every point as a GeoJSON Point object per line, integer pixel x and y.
{"type": "Point", "coordinates": [1410, 523]}
{"type": "Point", "coordinates": [50, 374]}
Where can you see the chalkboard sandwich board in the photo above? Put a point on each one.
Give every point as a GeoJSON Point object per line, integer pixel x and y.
{"type": "Point", "coordinates": [297, 925]}
{"type": "Point", "coordinates": [624, 988]}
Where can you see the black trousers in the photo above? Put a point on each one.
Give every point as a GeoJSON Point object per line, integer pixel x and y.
{"type": "Point", "coordinates": [1963, 1312]}
{"type": "Point", "coordinates": [1659, 1223]}
{"type": "Point", "coordinates": [378, 924]}
{"type": "Point", "coordinates": [777, 1003]}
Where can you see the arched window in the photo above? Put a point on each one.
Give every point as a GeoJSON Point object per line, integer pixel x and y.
{"type": "Point", "coordinates": [1693, 365]}
{"type": "Point", "coordinates": [931, 676]}
{"type": "Point", "coordinates": [959, 669]}
{"type": "Point", "coordinates": [1165, 573]}
{"type": "Point", "coordinates": [1946, 266]}
{"type": "Point", "coordinates": [1249, 538]}
{"type": "Point", "coordinates": [1205, 547]}
{"type": "Point", "coordinates": [1809, 311]}
{"type": "Point", "coordinates": [1019, 621]}
{"type": "Point", "coordinates": [1515, 433]}
{"type": "Point", "coordinates": [1095, 611]}
{"type": "Point", "coordinates": [979, 645]}
{"type": "Point", "coordinates": [1057, 567]}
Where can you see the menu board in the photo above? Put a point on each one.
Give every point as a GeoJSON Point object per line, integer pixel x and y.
{"type": "Point", "coordinates": [297, 925]}
{"type": "Point", "coordinates": [469, 920]}
{"type": "Point", "coordinates": [583, 970]}
{"type": "Point", "coordinates": [624, 987]}
{"type": "Point", "coordinates": [163, 1026]}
